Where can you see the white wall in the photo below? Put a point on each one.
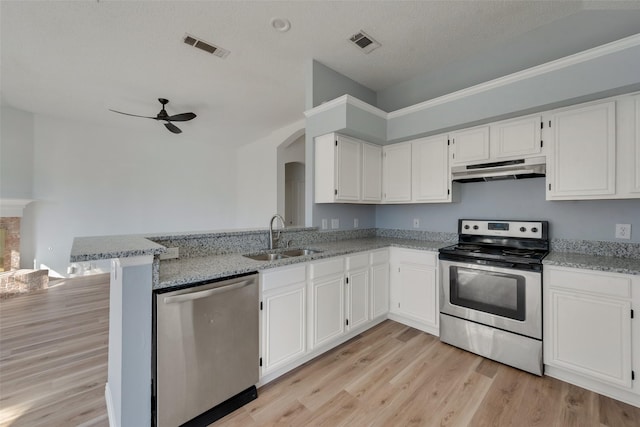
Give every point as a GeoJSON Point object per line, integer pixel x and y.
{"type": "Point", "coordinates": [92, 180]}
{"type": "Point", "coordinates": [16, 154]}
{"type": "Point", "coordinates": [259, 176]}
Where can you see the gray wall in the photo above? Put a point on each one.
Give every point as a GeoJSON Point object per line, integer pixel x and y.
{"type": "Point", "coordinates": [599, 77]}
{"type": "Point", "coordinates": [520, 199]}
{"type": "Point", "coordinates": [574, 33]}
{"type": "Point", "coordinates": [326, 84]}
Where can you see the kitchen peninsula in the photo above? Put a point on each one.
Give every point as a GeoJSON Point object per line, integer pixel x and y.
{"type": "Point", "coordinates": [137, 271]}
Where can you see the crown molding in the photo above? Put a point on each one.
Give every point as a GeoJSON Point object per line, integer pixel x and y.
{"type": "Point", "coordinates": [558, 64]}
{"type": "Point", "coordinates": [343, 100]}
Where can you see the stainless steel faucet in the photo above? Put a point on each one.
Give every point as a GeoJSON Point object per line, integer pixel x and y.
{"type": "Point", "coordinates": [271, 239]}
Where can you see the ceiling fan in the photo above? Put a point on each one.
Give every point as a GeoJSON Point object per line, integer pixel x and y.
{"type": "Point", "coordinates": [162, 115]}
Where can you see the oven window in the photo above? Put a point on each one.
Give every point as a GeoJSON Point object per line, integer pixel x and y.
{"type": "Point", "coordinates": [490, 292]}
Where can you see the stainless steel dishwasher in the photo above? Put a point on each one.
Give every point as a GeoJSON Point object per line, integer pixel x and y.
{"type": "Point", "coordinates": [206, 348]}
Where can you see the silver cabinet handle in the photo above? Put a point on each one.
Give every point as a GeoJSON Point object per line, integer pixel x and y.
{"type": "Point", "coordinates": [203, 294]}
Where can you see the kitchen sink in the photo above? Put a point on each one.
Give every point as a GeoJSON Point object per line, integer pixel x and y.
{"type": "Point", "coordinates": [265, 257]}
{"type": "Point", "coordinates": [274, 256]}
{"type": "Point", "coordinates": [300, 252]}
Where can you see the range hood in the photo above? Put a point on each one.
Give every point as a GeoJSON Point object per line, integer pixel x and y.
{"type": "Point", "coordinates": [510, 169]}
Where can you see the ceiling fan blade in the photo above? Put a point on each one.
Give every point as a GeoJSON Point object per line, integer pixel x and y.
{"type": "Point", "coordinates": [172, 128]}
{"type": "Point", "coordinates": [134, 115]}
{"type": "Point", "coordinates": [184, 117]}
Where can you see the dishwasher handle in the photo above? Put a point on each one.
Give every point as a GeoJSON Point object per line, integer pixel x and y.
{"type": "Point", "coordinates": [204, 294]}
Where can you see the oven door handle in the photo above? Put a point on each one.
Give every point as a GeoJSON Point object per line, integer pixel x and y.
{"type": "Point", "coordinates": [495, 263]}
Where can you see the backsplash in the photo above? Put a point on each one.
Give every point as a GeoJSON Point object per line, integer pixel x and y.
{"type": "Point", "coordinates": [218, 243]}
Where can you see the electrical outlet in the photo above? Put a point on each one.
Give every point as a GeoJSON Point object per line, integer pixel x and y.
{"type": "Point", "coordinates": [623, 231]}
{"type": "Point", "coordinates": [335, 223]}
{"type": "Point", "coordinates": [355, 222]}
{"type": "Point", "coordinates": [416, 222]}
{"type": "Point", "coordinates": [171, 253]}
{"type": "Point", "coordinates": [324, 223]}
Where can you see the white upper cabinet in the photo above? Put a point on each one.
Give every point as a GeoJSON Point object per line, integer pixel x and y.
{"type": "Point", "coordinates": [430, 170]}
{"type": "Point", "coordinates": [347, 170]}
{"type": "Point", "coordinates": [470, 145]}
{"type": "Point", "coordinates": [348, 166]}
{"type": "Point", "coordinates": [582, 163]}
{"type": "Point", "coordinates": [516, 138]}
{"type": "Point", "coordinates": [397, 172]}
{"type": "Point", "coordinates": [371, 172]}
{"type": "Point", "coordinates": [636, 147]}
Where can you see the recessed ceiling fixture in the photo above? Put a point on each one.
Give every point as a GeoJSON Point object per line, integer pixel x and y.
{"type": "Point", "coordinates": [281, 24]}
{"type": "Point", "coordinates": [206, 46]}
{"type": "Point", "coordinates": [364, 41]}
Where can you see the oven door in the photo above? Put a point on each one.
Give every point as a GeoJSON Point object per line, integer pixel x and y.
{"type": "Point", "coordinates": [504, 298]}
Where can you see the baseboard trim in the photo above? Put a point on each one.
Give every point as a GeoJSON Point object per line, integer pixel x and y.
{"type": "Point", "coordinates": [111, 415]}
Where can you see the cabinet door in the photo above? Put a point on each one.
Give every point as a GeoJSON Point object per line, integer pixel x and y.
{"type": "Point", "coordinates": [348, 169]}
{"type": "Point", "coordinates": [328, 309]}
{"type": "Point", "coordinates": [430, 169]}
{"type": "Point", "coordinates": [284, 325]}
{"type": "Point", "coordinates": [371, 173]}
{"type": "Point", "coordinates": [416, 293]}
{"type": "Point", "coordinates": [379, 290]}
{"type": "Point", "coordinates": [358, 297]}
{"type": "Point", "coordinates": [397, 173]}
{"type": "Point", "coordinates": [515, 138]}
{"type": "Point", "coordinates": [583, 156]}
{"type": "Point", "coordinates": [470, 145]}
{"type": "Point", "coordinates": [589, 335]}
{"type": "Point", "coordinates": [636, 181]}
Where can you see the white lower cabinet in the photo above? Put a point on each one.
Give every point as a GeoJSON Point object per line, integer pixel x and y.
{"type": "Point", "coordinates": [284, 316]}
{"type": "Point", "coordinates": [357, 290]}
{"type": "Point", "coordinates": [414, 289]}
{"type": "Point", "coordinates": [327, 301]}
{"type": "Point", "coordinates": [589, 336]}
{"type": "Point", "coordinates": [379, 277]}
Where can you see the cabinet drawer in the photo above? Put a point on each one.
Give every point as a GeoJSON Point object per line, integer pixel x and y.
{"type": "Point", "coordinates": [283, 276]}
{"type": "Point", "coordinates": [417, 257]}
{"type": "Point", "coordinates": [324, 268]}
{"type": "Point", "coordinates": [357, 261]}
{"type": "Point", "coordinates": [590, 281]}
{"type": "Point", "coordinates": [380, 257]}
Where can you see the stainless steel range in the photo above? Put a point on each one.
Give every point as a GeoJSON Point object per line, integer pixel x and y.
{"type": "Point", "coordinates": [491, 291]}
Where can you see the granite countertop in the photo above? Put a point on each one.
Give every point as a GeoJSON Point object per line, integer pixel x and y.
{"type": "Point", "coordinates": [192, 270]}
{"type": "Point", "coordinates": [107, 247]}
{"type": "Point", "coordinates": [593, 262]}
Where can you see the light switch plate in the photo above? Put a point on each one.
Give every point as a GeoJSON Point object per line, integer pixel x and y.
{"type": "Point", "coordinates": [416, 222]}
{"type": "Point", "coordinates": [335, 223]}
{"type": "Point", "coordinates": [324, 223]}
{"type": "Point", "coordinates": [623, 231]}
{"type": "Point", "coordinates": [355, 222]}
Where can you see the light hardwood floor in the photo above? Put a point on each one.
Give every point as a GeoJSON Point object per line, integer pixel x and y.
{"type": "Point", "coordinates": [53, 355]}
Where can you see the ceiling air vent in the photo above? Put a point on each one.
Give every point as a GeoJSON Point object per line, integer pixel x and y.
{"type": "Point", "coordinates": [364, 41]}
{"type": "Point", "coordinates": [207, 47]}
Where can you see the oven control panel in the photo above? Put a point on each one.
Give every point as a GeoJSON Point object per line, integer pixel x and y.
{"type": "Point", "coordinates": [524, 229]}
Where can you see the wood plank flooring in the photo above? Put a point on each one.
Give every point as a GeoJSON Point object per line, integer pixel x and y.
{"type": "Point", "coordinates": [394, 375]}
{"type": "Point", "coordinates": [53, 368]}
{"type": "Point", "coordinates": [53, 355]}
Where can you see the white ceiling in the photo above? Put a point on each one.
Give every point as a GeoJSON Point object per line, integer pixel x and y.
{"type": "Point", "coordinates": [77, 59]}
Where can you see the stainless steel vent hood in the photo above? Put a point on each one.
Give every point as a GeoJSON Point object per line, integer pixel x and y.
{"type": "Point", "coordinates": [510, 169]}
